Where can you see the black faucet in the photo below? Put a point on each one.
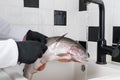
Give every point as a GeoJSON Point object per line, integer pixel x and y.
{"type": "Point", "coordinates": [102, 47]}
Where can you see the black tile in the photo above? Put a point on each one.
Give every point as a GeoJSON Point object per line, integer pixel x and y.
{"type": "Point", "coordinates": [83, 43]}
{"type": "Point", "coordinates": [31, 3]}
{"type": "Point", "coordinates": [116, 34]}
{"type": "Point", "coordinates": [93, 33]}
{"type": "Point", "coordinates": [60, 18]}
{"type": "Point", "coordinates": [82, 5]}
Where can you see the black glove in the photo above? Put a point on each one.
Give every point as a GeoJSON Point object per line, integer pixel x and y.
{"type": "Point", "coordinates": [29, 51]}
{"type": "Point", "coordinates": [32, 35]}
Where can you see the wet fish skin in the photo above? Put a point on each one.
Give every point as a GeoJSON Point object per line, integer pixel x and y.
{"type": "Point", "coordinates": [64, 50]}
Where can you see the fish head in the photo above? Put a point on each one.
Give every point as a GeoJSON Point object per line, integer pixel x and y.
{"type": "Point", "coordinates": [77, 54]}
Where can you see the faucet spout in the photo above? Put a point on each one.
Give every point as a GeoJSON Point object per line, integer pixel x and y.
{"type": "Point", "coordinates": [111, 50]}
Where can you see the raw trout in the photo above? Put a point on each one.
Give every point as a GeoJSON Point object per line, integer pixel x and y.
{"type": "Point", "coordinates": [61, 49]}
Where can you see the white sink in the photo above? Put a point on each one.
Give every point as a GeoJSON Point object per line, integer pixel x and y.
{"type": "Point", "coordinates": [62, 71]}
{"type": "Point", "coordinates": [10, 76]}
{"type": "Point", "coordinates": [67, 71]}
{"type": "Point", "coordinates": [53, 71]}
{"type": "Point", "coordinates": [102, 72]}
{"type": "Point", "coordinates": [4, 76]}
{"type": "Point", "coordinates": [11, 73]}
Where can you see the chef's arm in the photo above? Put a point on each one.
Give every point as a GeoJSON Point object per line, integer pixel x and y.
{"type": "Point", "coordinates": [8, 53]}
{"type": "Point", "coordinates": [29, 51]}
{"type": "Point", "coordinates": [12, 52]}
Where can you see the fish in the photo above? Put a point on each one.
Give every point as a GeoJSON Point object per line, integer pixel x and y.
{"type": "Point", "coordinates": [60, 48]}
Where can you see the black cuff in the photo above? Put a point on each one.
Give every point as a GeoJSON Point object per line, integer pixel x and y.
{"type": "Point", "coordinates": [29, 51]}
{"type": "Point", "coordinates": [32, 35]}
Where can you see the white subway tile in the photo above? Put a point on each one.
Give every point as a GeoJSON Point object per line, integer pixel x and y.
{"type": "Point", "coordinates": [11, 14]}
{"type": "Point", "coordinates": [73, 5]}
{"type": "Point", "coordinates": [29, 16]}
{"type": "Point", "coordinates": [11, 3]}
{"type": "Point", "coordinates": [28, 26]}
{"type": "Point", "coordinates": [77, 32]}
{"type": "Point", "coordinates": [77, 24]}
{"type": "Point", "coordinates": [92, 49]}
{"type": "Point", "coordinates": [20, 15]}
{"type": "Point", "coordinates": [46, 4]}
{"type": "Point", "coordinates": [116, 3]}
{"type": "Point", "coordinates": [46, 30]}
{"type": "Point", "coordinates": [109, 3]}
{"type": "Point", "coordinates": [116, 19]}
{"type": "Point", "coordinates": [92, 7]}
{"type": "Point", "coordinates": [60, 5]}
{"type": "Point", "coordinates": [46, 17]}
{"type": "Point", "coordinates": [93, 18]}
{"type": "Point", "coordinates": [77, 18]}
{"type": "Point", "coordinates": [60, 30]}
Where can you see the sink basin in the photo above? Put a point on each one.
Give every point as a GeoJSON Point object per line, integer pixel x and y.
{"type": "Point", "coordinates": [4, 76]}
{"type": "Point", "coordinates": [53, 71]}
{"type": "Point", "coordinates": [62, 71]}
{"type": "Point", "coordinates": [102, 72]}
{"type": "Point", "coordinates": [67, 71]}
{"type": "Point", "coordinates": [10, 75]}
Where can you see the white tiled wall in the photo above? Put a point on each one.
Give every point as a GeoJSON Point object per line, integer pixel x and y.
{"type": "Point", "coordinates": [42, 18]}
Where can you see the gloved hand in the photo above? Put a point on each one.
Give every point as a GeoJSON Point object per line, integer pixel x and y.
{"type": "Point", "coordinates": [35, 36]}
{"type": "Point", "coordinates": [29, 51]}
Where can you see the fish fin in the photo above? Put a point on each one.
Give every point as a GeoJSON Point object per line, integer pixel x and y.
{"type": "Point", "coordinates": [61, 37]}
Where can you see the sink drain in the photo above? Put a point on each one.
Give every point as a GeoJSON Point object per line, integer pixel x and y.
{"type": "Point", "coordinates": [83, 68]}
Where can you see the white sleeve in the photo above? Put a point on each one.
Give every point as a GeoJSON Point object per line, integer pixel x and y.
{"type": "Point", "coordinates": [8, 53]}
{"type": "Point", "coordinates": [9, 31]}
